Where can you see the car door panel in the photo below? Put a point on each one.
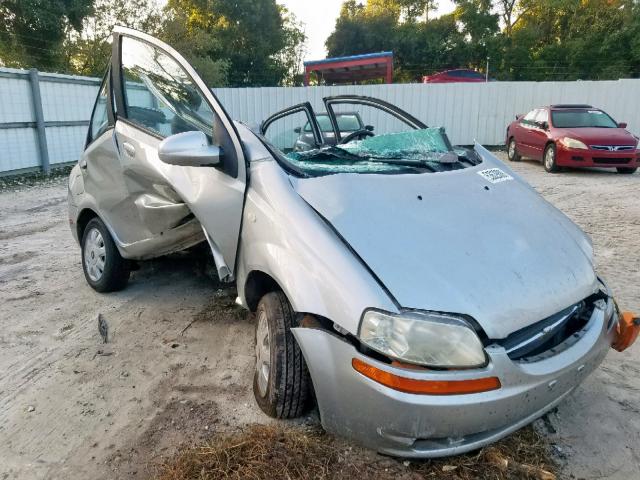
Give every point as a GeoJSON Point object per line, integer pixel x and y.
{"type": "Point", "coordinates": [538, 135]}
{"type": "Point", "coordinates": [518, 131]}
{"type": "Point", "coordinates": [158, 206]}
{"type": "Point", "coordinates": [525, 142]}
{"type": "Point", "coordinates": [103, 178]}
{"type": "Point", "coordinates": [165, 195]}
{"type": "Point", "coordinates": [281, 129]}
{"type": "Point", "coordinates": [382, 111]}
{"type": "Point", "coordinates": [101, 168]}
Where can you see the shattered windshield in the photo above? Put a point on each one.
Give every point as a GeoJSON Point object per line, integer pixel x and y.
{"type": "Point", "coordinates": [381, 142]}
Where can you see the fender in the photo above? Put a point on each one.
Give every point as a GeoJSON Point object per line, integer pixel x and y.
{"type": "Point", "coordinates": [286, 239]}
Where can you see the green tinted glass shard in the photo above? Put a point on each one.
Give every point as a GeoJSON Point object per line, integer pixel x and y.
{"type": "Point", "coordinates": [415, 144]}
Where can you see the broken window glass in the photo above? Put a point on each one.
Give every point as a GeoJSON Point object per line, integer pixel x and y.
{"type": "Point", "coordinates": [364, 135]}
{"type": "Point", "coordinates": [415, 151]}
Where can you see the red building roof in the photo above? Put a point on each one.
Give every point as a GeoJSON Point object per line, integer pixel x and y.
{"type": "Point", "coordinates": [352, 69]}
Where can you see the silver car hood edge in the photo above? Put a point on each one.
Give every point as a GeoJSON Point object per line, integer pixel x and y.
{"type": "Point", "coordinates": [495, 251]}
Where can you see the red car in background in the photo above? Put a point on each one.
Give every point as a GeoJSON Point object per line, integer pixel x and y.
{"type": "Point", "coordinates": [573, 136]}
{"type": "Point", "coordinates": [455, 76]}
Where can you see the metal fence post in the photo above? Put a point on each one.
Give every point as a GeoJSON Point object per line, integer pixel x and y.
{"type": "Point", "coordinates": [40, 127]}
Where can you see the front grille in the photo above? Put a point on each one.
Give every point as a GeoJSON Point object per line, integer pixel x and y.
{"type": "Point", "coordinates": [610, 161]}
{"type": "Point", "coordinates": [548, 334]}
{"type": "Point", "coordinates": [613, 148]}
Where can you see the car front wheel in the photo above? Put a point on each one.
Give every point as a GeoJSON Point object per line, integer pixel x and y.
{"type": "Point", "coordinates": [549, 159]}
{"type": "Point", "coordinates": [281, 380]}
{"type": "Point", "coordinates": [627, 170]}
{"type": "Point", "coordinates": [104, 268]}
{"type": "Point", "coordinates": [512, 151]}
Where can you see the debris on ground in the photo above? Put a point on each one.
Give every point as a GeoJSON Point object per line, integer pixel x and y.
{"type": "Point", "coordinates": [298, 452]}
{"type": "Point", "coordinates": [103, 328]}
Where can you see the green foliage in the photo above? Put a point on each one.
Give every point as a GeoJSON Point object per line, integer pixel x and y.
{"type": "Point", "coordinates": [32, 31]}
{"type": "Point", "coordinates": [230, 42]}
{"type": "Point", "coordinates": [259, 40]}
{"type": "Point", "coordinates": [524, 39]}
{"type": "Point", "coordinates": [200, 47]}
{"type": "Point", "coordinates": [574, 39]}
{"type": "Point", "coordinates": [362, 29]}
{"type": "Point", "coordinates": [88, 52]}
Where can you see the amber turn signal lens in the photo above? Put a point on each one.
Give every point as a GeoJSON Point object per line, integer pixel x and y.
{"type": "Point", "coordinates": [628, 330]}
{"type": "Point", "coordinates": [425, 387]}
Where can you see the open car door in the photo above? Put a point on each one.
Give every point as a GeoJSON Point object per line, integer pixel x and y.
{"type": "Point", "coordinates": [379, 117]}
{"type": "Point", "coordinates": [294, 129]}
{"type": "Point", "coordinates": [158, 95]}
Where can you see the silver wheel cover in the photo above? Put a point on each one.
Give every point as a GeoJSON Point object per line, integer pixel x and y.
{"type": "Point", "coordinates": [94, 255]}
{"type": "Point", "coordinates": [549, 158]}
{"type": "Point", "coordinates": [512, 148]}
{"type": "Point", "coordinates": [263, 353]}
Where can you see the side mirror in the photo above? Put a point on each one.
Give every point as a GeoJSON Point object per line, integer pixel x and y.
{"type": "Point", "coordinates": [297, 129]}
{"type": "Point", "coordinates": [518, 116]}
{"type": "Point", "coordinates": [622, 125]}
{"type": "Point", "coordinates": [189, 149]}
{"type": "Point", "coordinates": [544, 125]}
{"type": "Point", "coordinates": [369, 127]}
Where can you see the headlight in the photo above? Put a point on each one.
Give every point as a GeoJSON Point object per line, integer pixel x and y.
{"type": "Point", "coordinates": [573, 143]}
{"type": "Point", "coordinates": [430, 339]}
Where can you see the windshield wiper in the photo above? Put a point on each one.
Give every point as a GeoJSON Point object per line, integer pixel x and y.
{"type": "Point", "coordinates": [344, 155]}
{"type": "Point", "coordinates": [404, 162]}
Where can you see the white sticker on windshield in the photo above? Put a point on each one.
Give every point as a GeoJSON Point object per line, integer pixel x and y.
{"type": "Point", "coordinates": [495, 175]}
{"type": "Point", "coordinates": [597, 112]}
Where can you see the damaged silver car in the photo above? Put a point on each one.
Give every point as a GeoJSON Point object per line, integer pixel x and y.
{"type": "Point", "coordinates": [428, 296]}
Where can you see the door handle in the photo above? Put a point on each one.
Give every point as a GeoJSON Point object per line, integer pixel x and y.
{"type": "Point", "coordinates": [83, 163]}
{"type": "Point", "coordinates": [129, 149]}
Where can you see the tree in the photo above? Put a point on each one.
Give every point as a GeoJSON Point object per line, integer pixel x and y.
{"type": "Point", "coordinates": [428, 47]}
{"type": "Point", "coordinates": [88, 52]}
{"type": "Point", "coordinates": [539, 39]}
{"type": "Point", "coordinates": [291, 56]}
{"type": "Point", "coordinates": [253, 36]}
{"type": "Point", "coordinates": [32, 31]}
{"type": "Point", "coordinates": [479, 24]}
{"type": "Point", "coordinates": [572, 39]}
{"type": "Point", "coordinates": [419, 47]}
{"type": "Point", "coordinates": [362, 29]}
{"type": "Point", "coordinates": [200, 47]}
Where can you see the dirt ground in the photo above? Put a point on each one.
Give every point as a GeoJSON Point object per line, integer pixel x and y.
{"type": "Point", "coordinates": [178, 365]}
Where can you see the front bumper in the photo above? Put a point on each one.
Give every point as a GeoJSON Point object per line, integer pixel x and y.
{"type": "Point", "coordinates": [566, 157]}
{"type": "Point", "coordinates": [424, 426]}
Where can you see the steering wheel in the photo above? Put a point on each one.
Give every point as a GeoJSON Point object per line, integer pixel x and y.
{"type": "Point", "coordinates": [363, 132]}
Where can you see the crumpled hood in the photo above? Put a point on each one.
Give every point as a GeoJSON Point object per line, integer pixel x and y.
{"type": "Point", "coordinates": [456, 242]}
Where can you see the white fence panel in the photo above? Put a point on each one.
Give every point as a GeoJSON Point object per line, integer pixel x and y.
{"type": "Point", "coordinates": [472, 111]}
{"type": "Point", "coordinates": [66, 106]}
{"type": "Point", "coordinates": [468, 111]}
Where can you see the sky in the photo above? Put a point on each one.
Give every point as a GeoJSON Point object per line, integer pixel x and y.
{"type": "Point", "coordinates": [319, 19]}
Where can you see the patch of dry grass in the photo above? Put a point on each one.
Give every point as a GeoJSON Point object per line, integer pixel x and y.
{"type": "Point", "coordinates": [296, 452]}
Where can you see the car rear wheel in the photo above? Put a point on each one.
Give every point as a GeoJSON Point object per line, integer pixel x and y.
{"type": "Point", "coordinates": [104, 268]}
{"type": "Point", "coordinates": [627, 170]}
{"type": "Point", "coordinates": [549, 159]}
{"type": "Point", "coordinates": [512, 151]}
{"type": "Point", "coordinates": [281, 379]}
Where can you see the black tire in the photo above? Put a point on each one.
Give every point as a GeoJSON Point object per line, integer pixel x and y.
{"type": "Point", "coordinates": [284, 392]}
{"type": "Point", "coordinates": [549, 158]}
{"type": "Point", "coordinates": [627, 170]}
{"type": "Point", "coordinates": [512, 151]}
{"type": "Point", "coordinates": [115, 271]}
